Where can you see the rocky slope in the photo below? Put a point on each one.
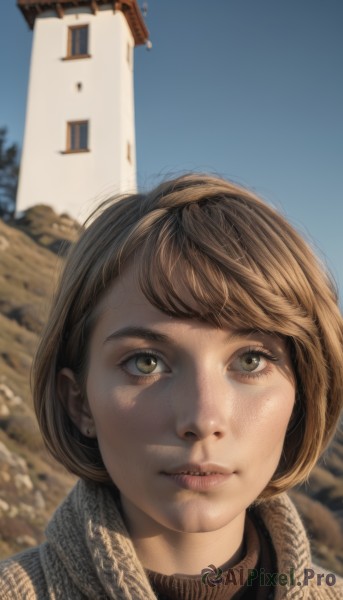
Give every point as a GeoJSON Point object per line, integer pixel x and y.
{"type": "Point", "coordinates": [31, 483]}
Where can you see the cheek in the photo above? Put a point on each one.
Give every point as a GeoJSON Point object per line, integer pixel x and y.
{"type": "Point", "coordinates": [266, 419]}
{"type": "Point", "coordinates": [120, 413]}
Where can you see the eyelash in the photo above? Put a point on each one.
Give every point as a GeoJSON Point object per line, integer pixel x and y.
{"type": "Point", "coordinates": [261, 352]}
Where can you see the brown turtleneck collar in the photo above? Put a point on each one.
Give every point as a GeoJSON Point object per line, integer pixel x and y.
{"type": "Point", "coordinates": [232, 582]}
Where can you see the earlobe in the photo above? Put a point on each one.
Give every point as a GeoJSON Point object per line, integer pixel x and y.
{"type": "Point", "coordinates": [75, 403]}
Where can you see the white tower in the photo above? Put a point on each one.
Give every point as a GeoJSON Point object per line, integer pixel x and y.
{"type": "Point", "coordinates": [79, 135]}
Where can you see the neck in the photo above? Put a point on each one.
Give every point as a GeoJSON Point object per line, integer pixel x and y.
{"type": "Point", "coordinates": [171, 552]}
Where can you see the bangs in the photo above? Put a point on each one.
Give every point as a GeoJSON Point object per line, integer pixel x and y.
{"type": "Point", "coordinates": [197, 265]}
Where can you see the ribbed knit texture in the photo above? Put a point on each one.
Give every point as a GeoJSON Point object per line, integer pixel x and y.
{"type": "Point", "coordinates": [89, 554]}
{"type": "Point", "coordinates": [258, 551]}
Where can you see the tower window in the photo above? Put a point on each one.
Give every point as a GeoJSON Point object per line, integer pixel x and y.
{"type": "Point", "coordinates": [128, 53]}
{"type": "Point", "coordinates": [78, 41]}
{"type": "Point", "coordinates": [128, 152]}
{"type": "Point", "coordinates": [77, 136]}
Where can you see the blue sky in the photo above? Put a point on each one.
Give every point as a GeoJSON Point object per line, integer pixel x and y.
{"type": "Point", "coordinates": [249, 89]}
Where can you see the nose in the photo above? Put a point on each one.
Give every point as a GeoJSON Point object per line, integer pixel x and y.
{"type": "Point", "coordinates": [203, 407]}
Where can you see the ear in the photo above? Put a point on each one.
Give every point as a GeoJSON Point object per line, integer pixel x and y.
{"type": "Point", "coordinates": [75, 403]}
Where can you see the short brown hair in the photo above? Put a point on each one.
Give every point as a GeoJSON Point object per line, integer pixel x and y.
{"type": "Point", "coordinates": [243, 266]}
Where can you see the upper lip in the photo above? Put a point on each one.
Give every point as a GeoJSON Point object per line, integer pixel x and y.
{"type": "Point", "coordinates": [198, 468]}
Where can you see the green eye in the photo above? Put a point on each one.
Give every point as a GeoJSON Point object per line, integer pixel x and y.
{"type": "Point", "coordinates": [143, 364]}
{"type": "Point", "coordinates": [146, 364]}
{"type": "Point", "coordinates": [250, 361]}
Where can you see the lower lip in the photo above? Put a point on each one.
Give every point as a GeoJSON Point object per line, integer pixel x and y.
{"type": "Point", "coordinates": [198, 483]}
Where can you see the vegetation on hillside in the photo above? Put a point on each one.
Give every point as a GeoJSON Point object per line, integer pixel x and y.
{"type": "Point", "coordinates": [9, 171]}
{"type": "Point", "coordinates": [31, 483]}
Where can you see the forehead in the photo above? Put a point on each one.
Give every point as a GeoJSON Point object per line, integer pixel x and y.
{"type": "Point", "coordinates": [125, 308]}
{"type": "Point", "coordinates": [147, 298]}
{"type": "Point", "coordinates": [124, 301]}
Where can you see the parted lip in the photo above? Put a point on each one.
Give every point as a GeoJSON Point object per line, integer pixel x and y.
{"type": "Point", "coordinates": [198, 469]}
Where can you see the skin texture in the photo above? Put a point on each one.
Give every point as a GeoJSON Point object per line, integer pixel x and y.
{"type": "Point", "coordinates": [203, 395]}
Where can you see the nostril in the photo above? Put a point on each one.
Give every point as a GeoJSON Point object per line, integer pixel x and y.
{"type": "Point", "coordinates": [190, 434]}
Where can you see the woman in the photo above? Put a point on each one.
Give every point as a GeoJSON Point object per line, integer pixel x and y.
{"type": "Point", "coordinates": [190, 373]}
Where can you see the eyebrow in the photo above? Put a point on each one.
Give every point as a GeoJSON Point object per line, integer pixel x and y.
{"type": "Point", "coordinates": [137, 332]}
{"type": "Point", "coordinates": [153, 336]}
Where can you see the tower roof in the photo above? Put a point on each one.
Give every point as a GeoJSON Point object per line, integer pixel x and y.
{"type": "Point", "coordinates": [130, 9]}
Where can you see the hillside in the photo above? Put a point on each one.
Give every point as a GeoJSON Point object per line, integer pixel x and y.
{"type": "Point", "coordinates": [31, 483]}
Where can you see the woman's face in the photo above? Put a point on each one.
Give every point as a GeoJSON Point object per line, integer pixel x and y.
{"type": "Point", "coordinates": [190, 419]}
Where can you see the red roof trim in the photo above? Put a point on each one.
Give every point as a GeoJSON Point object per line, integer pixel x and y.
{"type": "Point", "coordinates": [133, 15]}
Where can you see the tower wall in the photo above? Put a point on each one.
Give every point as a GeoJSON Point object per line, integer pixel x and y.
{"type": "Point", "coordinates": [98, 89]}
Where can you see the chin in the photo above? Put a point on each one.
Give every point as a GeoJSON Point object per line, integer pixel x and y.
{"type": "Point", "coordinates": [201, 519]}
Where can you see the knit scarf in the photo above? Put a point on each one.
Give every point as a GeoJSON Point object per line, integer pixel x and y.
{"type": "Point", "coordinates": [89, 553]}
